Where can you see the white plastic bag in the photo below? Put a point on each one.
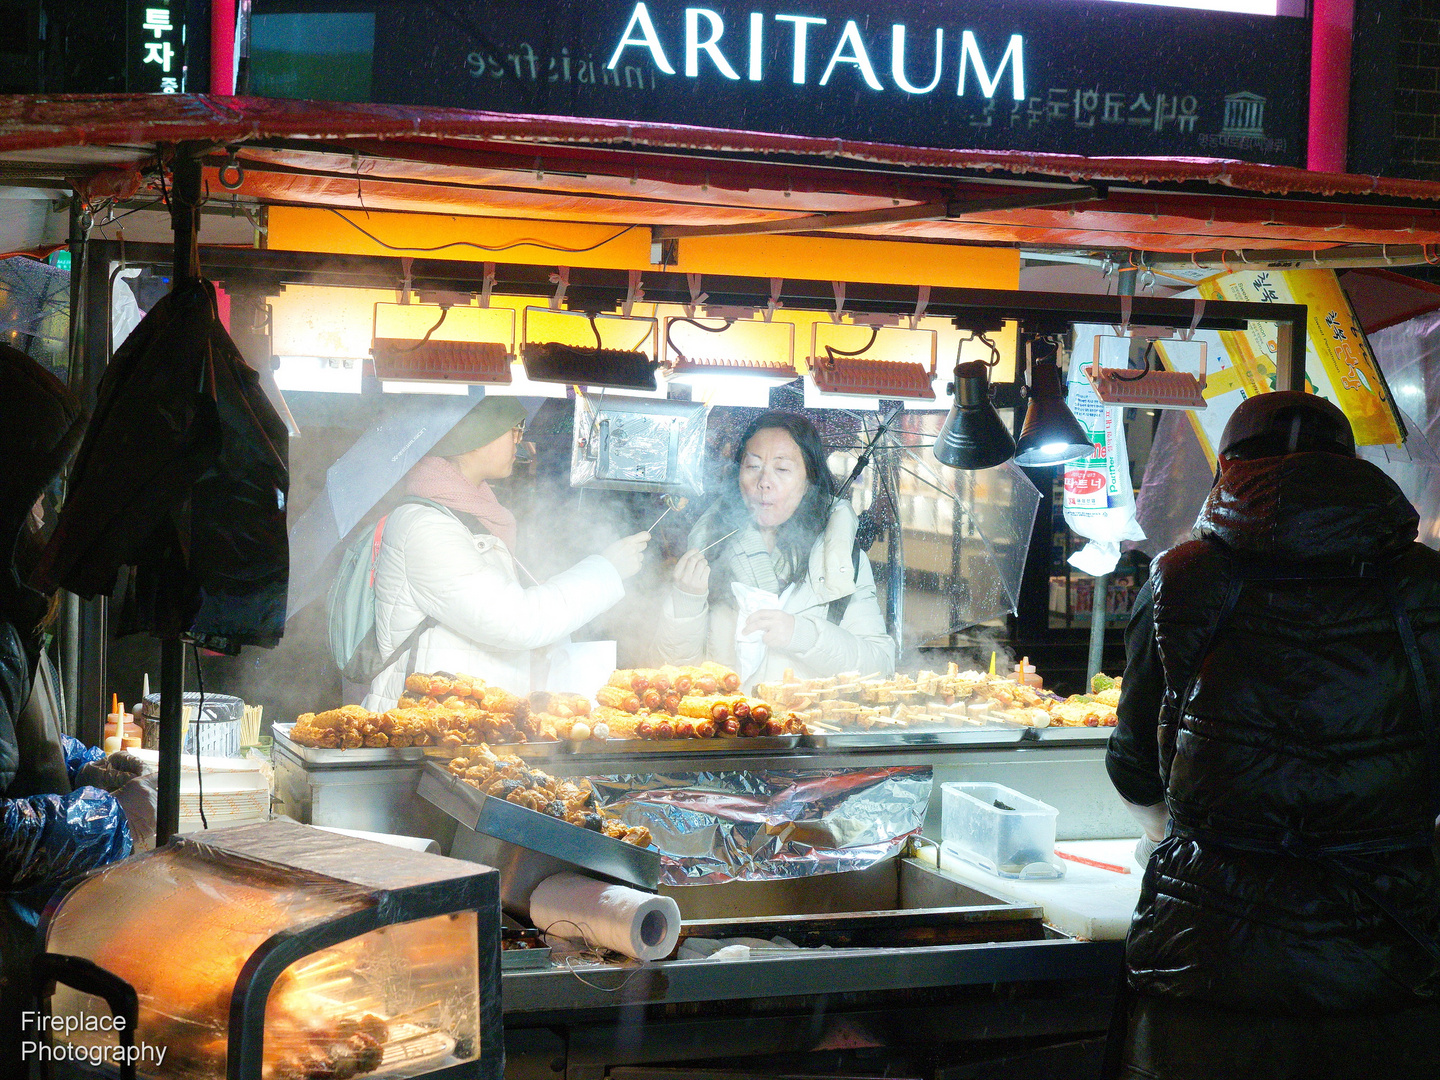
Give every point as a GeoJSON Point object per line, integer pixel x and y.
{"type": "Point", "coordinates": [1099, 498]}
{"type": "Point", "coordinates": [750, 650]}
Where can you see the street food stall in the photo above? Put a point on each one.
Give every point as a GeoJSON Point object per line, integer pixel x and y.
{"type": "Point", "coordinates": [829, 905]}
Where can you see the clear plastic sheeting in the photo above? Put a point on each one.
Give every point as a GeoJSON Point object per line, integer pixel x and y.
{"type": "Point", "coordinates": [1177, 478]}
{"type": "Point", "coordinates": [715, 827]}
{"type": "Point", "coordinates": [181, 925]}
{"type": "Point", "coordinates": [638, 444]}
{"type": "Point", "coordinates": [1409, 355]}
{"type": "Point", "coordinates": [35, 311]}
{"type": "Point", "coordinates": [963, 536]}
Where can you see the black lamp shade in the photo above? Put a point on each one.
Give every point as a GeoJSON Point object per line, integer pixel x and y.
{"type": "Point", "coordinates": [1051, 435]}
{"type": "Point", "coordinates": [973, 435]}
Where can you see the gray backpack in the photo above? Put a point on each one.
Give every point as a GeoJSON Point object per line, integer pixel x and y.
{"type": "Point", "coordinates": [351, 607]}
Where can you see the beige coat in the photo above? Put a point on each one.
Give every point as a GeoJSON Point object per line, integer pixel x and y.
{"type": "Point", "coordinates": [490, 625]}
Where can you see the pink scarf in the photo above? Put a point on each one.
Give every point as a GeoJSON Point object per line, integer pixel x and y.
{"type": "Point", "coordinates": [441, 481]}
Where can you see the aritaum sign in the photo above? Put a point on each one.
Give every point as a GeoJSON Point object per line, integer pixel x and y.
{"type": "Point", "coordinates": [1130, 77]}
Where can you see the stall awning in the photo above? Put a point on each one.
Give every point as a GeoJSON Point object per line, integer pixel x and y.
{"type": "Point", "coordinates": [459, 162]}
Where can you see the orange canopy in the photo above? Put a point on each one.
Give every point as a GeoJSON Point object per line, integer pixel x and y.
{"type": "Point", "coordinates": [460, 162]}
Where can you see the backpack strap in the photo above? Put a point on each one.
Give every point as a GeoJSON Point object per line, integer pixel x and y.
{"type": "Point", "coordinates": [412, 642]}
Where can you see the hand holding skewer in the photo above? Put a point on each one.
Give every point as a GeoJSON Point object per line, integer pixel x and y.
{"type": "Point", "coordinates": [627, 554]}
{"type": "Point", "coordinates": [692, 573]}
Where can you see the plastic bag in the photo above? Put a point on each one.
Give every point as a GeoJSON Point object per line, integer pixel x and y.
{"type": "Point", "coordinates": [637, 444]}
{"type": "Point", "coordinates": [750, 649]}
{"type": "Point", "coordinates": [1099, 497]}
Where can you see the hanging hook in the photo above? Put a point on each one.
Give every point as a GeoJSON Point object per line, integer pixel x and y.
{"type": "Point", "coordinates": [487, 284]}
{"type": "Point", "coordinates": [634, 293]}
{"type": "Point", "coordinates": [980, 336]}
{"type": "Point", "coordinates": [233, 168]}
{"type": "Point", "coordinates": [561, 280]}
{"type": "Point", "coordinates": [697, 298]}
{"type": "Point", "coordinates": [775, 287]}
{"type": "Point", "coordinates": [994, 360]}
{"type": "Point", "coordinates": [922, 301]}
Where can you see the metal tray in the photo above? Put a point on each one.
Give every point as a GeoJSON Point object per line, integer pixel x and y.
{"type": "Point", "coordinates": [1071, 734]}
{"type": "Point", "coordinates": [368, 755]}
{"type": "Point", "coordinates": [360, 755]}
{"type": "Point", "coordinates": [524, 959]}
{"type": "Point", "coordinates": [940, 737]}
{"type": "Point", "coordinates": [530, 751]}
{"type": "Point", "coordinates": [684, 746]}
{"type": "Point", "coordinates": [521, 827]}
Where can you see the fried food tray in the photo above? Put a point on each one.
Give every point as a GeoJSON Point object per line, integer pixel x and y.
{"type": "Point", "coordinates": [606, 747]}
{"type": "Point", "coordinates": [520, 827]}
{"type": "Point", "coordinates": [360, 755]}
{"type": "Point", "coordinates": [389, 755]}
{"type": "Point", "coordinates": [937, 737]}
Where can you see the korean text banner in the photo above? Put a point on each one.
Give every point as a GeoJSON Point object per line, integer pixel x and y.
{"type": "Point", "coordinates": [1089, 77]}
{"type": "Point", "coordinates": [1339, 365]}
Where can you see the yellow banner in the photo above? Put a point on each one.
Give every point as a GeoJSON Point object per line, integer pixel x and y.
{"type": "Point", "coordinates": [1338, 363]}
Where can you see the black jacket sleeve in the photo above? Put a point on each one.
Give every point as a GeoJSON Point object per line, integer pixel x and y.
{"type": "Point", "coordinates": [1133, 757]}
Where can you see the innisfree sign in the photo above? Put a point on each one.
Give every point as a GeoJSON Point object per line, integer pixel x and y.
{"type": "Point", "coordinates": [1068, 76]}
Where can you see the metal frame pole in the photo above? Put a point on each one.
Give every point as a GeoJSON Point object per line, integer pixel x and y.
{"type": "Point", "coordinates": [172, 700]}
{"type": "Point", "coordinates": [185, 219]}
{"type": "Point", "coordinates": [1099, 596]}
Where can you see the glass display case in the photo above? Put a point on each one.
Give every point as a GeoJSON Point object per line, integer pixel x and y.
{"type": "Point", "coordinates": [284, 952]}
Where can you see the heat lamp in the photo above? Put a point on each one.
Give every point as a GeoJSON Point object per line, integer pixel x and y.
{"type": "Point", "coordinates": [568, 358]}
{"type": "Point", "coordinates": [1051, 435]}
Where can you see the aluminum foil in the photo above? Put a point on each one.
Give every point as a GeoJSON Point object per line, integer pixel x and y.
{"type": "Point", "coordinates": [714, 827]}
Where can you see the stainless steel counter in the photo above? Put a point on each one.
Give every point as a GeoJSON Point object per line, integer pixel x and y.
{"type": "Point", "coordinates": [836, 971]}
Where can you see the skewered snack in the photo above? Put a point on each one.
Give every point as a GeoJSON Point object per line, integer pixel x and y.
{"type": "Point", "coordinates": [442, 710]}
{"type": "Point", "coordinates": [558, 704]}
{"type": "Point", "coordinates": [507, 777]}
{"type": "Point", "coordinates": [615, 697]}
{"type": "Point", "coordinates": [1095, 709]}
{"type": "Point", "coordinates": [933, 699]}
{"type": "Point", "coordinates": [345, 728]}
{"type": "Point", "coordinates": [675, 702]}
{"type": "Point", "coordinates": [629, 679]}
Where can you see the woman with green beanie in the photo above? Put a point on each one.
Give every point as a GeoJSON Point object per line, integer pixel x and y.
{"type": "Point", "coordinates": [448, 594]}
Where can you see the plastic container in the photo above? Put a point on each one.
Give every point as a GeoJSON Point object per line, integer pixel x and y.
{"type": "Point", "coordinates": [217, 727]}
{"type": "Point", "coordinates": [999, 830]}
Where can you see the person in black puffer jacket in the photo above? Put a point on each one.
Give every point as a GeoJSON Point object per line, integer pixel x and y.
{"type": "Point", "coordinates": [1277, 739]}
{"type": "Point", "coordinates": [65, 808]}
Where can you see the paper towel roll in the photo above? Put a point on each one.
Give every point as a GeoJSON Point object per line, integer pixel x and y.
{"type": "Point", "coordinates": [638, 924]}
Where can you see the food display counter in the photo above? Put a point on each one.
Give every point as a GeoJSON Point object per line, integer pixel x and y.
{"type": "Point", "coordinates": [863, 953]}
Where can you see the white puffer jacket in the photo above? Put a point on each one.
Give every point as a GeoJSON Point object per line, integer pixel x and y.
{"type": "Point", "coordinates": [431, 565]}
{"type": "Point", "coordinates": [690, 629]}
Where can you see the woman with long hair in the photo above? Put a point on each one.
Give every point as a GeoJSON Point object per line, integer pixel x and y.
{"type": "Point", "coordinates": [783, 552]}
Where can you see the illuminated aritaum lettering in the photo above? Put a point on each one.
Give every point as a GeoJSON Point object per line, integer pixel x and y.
{"type": "Point", "coordinates": [842, 56]}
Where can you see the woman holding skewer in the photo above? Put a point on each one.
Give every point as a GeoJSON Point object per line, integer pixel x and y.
{"type": "Point", "coordinates": [780, 548]}
{"type": "Point", "coordinates": [450, 594]}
